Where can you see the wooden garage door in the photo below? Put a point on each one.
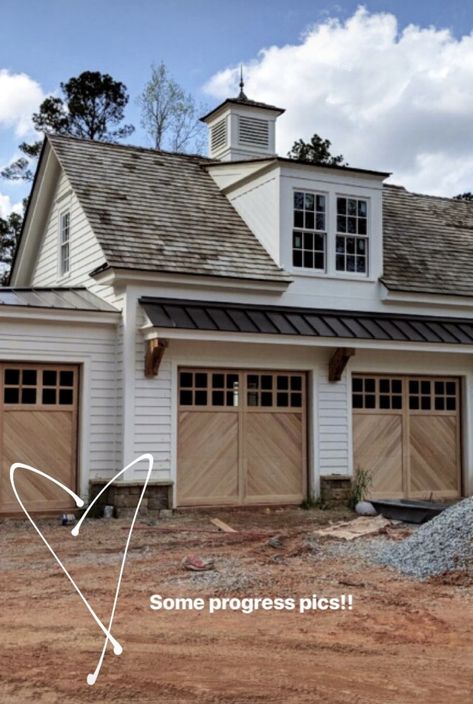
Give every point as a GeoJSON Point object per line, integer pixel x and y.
{"type": "Point", "coordinates": [406, 433]}
{"type": "Point", "coordinates": [38, 427]}
{"type": "Point", "coordinates": [241, 437]}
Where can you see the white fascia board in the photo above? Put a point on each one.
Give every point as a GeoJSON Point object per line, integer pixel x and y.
{"type": "Point", "coordinates": [333, 177]}
{"type": "Point", "coordinates": [123, 277]}
{"type": "Point", "coordinates": [435, 300]}
{"type": "Point", "coordinates": [41, 196]}
{"type": "Point", "coordinates": [151, 332]}
{"type": "Point", "coordinates": [58, 315]}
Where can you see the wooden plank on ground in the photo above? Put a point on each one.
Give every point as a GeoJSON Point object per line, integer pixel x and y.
{"type": "Point", "coordinates": [221, 525]}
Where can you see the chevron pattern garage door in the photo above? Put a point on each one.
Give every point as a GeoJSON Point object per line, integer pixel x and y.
{"type": "Point", "coordinates": [406, 433]}
{"type": "Point", "coordinates": [38, 427]}
{"type": "Point", "coordinates": [241, 437]}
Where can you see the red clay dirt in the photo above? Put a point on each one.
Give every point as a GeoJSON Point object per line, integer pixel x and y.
{"type": "Point", "coordinates": [404, 642]}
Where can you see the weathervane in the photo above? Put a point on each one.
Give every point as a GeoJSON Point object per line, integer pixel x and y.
{"type": "Point", "coordinates": [242, 95]}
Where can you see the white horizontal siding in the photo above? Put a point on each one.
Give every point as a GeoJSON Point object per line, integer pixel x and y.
{"type": "Point", "coordinates": [257, 204]}
{"type": "Point", "coordinates": [333, 425]}
{"type": "Point", "coordinates": [153, 410]}
{"type": "Point", "coordinates": [94, 348]}
{"type": "Point", "coordinates": [85, 251]}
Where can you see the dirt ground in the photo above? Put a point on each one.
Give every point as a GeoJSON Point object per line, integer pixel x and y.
{"type": "Point", "coordinates": [402, 642]}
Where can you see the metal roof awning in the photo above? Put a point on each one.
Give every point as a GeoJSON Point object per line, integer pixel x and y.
{"type": "Point", "coordinates": [305, 322]}
{"type": "Point", "coordinates": [80, 299]}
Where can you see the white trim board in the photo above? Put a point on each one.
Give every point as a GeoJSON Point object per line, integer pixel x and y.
{"type": "Point", "coordinates": [151, 333]}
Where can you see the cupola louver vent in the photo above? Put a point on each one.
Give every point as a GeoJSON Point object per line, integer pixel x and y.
{"type": "Point", "coordinates": [253, 132]}
{"type": "Point", "coordinates": [218, 137]}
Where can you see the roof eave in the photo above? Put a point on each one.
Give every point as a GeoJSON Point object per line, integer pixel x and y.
{"type": "Point", "coordinates": [241, 103]}
{"type": "Point", "coordinates": [304, 164]}
{"type": "Point", "coordinates": [117, 273]}
{"type": "Point", "coordinates": [426, 290]}
{"type": "Point", "coordinates": [29, 208]}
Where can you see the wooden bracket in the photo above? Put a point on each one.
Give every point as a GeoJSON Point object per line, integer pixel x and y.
{"type": "Point", "coordinates": [154, 354]}
{"type": "Point", "coordinates": [338, 362]}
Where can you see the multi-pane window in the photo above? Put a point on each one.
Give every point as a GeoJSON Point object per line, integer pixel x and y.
{"type": "Point", "coordinates": [38, 387]}
{"type": "Point", "coordinates": [429, 394]}
{"type": "Point", "coordinates": [229, 390]}
{"type": "Point", "coordinates": [387, 394]}
{"type": "Point", "coordinates": [274, 390]}
{"type": "Point", "coordinates": [381, 393]}
{"type": "Point", "coordinates": [352, 235]}
{"type": "Point", "coordinates": [309, 231]}
{"type": "Point", "coordinates": [64, 243]}
{"type": "Point", "coordinates": [208, 388]}
{"type": "Point", "coordinates": [364, 392]}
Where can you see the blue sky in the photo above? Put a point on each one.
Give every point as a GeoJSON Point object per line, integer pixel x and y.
{"type": "Point", "coordinates": [53, 40]}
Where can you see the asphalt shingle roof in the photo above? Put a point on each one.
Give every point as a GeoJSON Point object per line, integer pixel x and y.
{"type": "Point", "coordinates": [160, 211]}
{"type": "Point", "coordinates": [428, 243]}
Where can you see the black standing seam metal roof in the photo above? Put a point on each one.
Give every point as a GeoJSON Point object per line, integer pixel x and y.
{"type": "Point", "coordinates": [306, 322]}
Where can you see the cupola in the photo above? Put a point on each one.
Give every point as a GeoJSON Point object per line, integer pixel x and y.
{"type": "Point", "coordinates": [240, 128]}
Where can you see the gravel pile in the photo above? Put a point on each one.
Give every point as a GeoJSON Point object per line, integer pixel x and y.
{"type": "Point", "coordinates": [442, 545]}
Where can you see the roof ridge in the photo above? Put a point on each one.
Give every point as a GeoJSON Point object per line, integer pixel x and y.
{"type": "Point", "coordinates": [135, 147]}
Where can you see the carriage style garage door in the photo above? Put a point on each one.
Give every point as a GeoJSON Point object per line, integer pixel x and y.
{"type": "Point", "coordinates": [241, 437]}
{"type": "Point", "coordinates": [406, 432]}
{"type": "Point", "coordinates": [38, 426]}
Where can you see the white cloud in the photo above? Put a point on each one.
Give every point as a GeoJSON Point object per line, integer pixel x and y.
{"type": "Point", "coordinates": [389, 100]}
{"type": "Point", "coordinates": [6, 206]}
{"type": "Point", "coordinates": [20, 96]}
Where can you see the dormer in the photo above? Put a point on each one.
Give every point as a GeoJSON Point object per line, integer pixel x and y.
{"type": "Point", "coordinates": [240, 128]}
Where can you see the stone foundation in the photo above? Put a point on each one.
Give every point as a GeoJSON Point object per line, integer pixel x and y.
{"type": "Point", "coordinates": [335, 489]}
{"type": "Point", "coordinates": [123, 496]}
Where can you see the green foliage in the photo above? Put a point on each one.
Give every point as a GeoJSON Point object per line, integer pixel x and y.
{"type": "Point", "coordinates": [10, 228]}
{"type": "Point", "coordinates": [360, 486]}
{"type": "Point", "coordinates": [169, 115]}
{"type": "Point", "coordinates": [464, 196]}
{"type": "Point", "coordinates": [91, 107]}
{"type": "Point", "coordinates": [317, 151]}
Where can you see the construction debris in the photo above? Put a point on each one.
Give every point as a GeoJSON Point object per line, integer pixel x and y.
{"type": "Point", "coordinates": [360, 527]}
{"type": "Point", "coordinates": [221, 525]}
{"type": "Point", "coordinates": [197, 564]}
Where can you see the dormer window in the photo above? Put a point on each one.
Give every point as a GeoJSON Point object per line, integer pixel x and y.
{"type": "Point", "coordinates": [352, 235]}
{"type": "Point", "coordinates": [309, 232]}
{"type": "Point", "coordinates": [64, 246]}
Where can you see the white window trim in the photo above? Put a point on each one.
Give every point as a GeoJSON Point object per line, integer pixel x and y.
{"type": "Point", "coordinates": [363, 275]}
{"type": "Point", "coordinates": [64, 274]}
{"type": "Point", "coordinates": [330, 271]}
{"type": "Point", "coordinates": [302, 269]}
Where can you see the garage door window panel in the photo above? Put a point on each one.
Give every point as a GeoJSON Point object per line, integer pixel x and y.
{"type": "Point", "coordinates": [436, 396]}
{"type": "Point", "coordinates": [372, 393]}
{"type": "Point", "coordinates": [278, 392]}
{"type": "Point", "coordinates": [208, 390]}
{"type": "Point", "coordinates": [38, 387]}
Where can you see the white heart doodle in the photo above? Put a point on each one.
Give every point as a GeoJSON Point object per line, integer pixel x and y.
{"type": "Point", "coordinates": [107, 631]}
